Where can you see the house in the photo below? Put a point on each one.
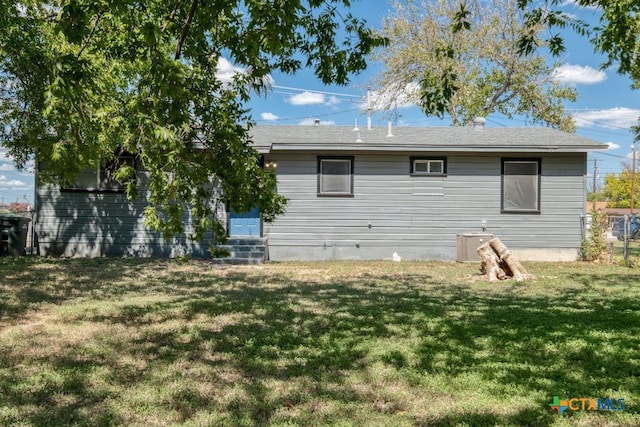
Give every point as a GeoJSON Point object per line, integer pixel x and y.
{"type": "Point", "coordinates": [596, 206]}
{"type": "Point", "coordinates": [370, 194]}
{"type": "Point", "coordinates": [93, 217]}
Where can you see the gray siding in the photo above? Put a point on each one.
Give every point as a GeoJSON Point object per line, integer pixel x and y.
{"type": "Point", "coordinates": [94, 224]}
{"type": "Point", "coordinates": [419, 217]}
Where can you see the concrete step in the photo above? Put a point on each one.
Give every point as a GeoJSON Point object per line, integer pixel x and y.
{"type": "Point", "coordinates": [243, 251]}
{"type": "Point", "coordinates": [236, 261]}
{"type": "Point", "coordinates": [246, 241]}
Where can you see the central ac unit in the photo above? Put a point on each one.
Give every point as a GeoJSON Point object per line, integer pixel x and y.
{"type": "Point", "coordinates": [467, 243]}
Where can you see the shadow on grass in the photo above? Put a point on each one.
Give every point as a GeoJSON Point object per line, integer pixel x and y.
{"type": "Point", "coordinates": [251, 348]}
{"type": "Point", "coordinates": [30, 282]}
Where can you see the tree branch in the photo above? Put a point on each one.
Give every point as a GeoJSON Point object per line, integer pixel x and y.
{"type": "Point", "coordinates": [171, 15]}
{"type": "Point", "coordinates": [185, 29]}
{"type": "Point", "coordinates": [93, 30]}
{"type": "Point", "coordinates": [506, 85]}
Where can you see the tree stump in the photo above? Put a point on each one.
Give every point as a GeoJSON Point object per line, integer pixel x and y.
{"type": "Point", "coordinates": [490, 263]}
{"type": "Point", "coordinates": [498, 263]}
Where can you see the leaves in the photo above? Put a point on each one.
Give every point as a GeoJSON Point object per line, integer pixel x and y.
{"type": "Point", "coordinates": [465, 61]}
{"type": "Point", "coordinates": [616, 36]}
{"type": "Point", "coordinates": [437, 91]}
{"type": "Point", "coordinates": [617, 187]}
{"type": "Point", "coordinates": [462, 19]}
{"type": "Point", "coordinates": [81, 78]}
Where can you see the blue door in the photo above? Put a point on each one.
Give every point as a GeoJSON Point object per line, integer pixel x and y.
{"type": "Point", "coordinates": [244, 223]}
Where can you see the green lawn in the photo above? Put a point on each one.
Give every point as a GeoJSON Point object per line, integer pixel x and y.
{"type": "Point", "coordinates": [634, 252]}
{"type": "Point", "coordinates": [143, 342]}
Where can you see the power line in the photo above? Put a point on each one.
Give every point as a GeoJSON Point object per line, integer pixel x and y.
{"type": "Point", "coordinates": [603, 124]}
{"type": "Point", "coordinates": [496, 123]}
{"type": "Point", "coordinates": [324, 102]}
{"type": "Point", "coordinates": [284, 119]}
{"type": "Point", "coordinates": [612, 155]}
{"type": "Point", "coordinates": [316, 91]}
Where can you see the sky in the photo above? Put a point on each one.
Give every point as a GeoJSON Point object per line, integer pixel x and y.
{"type": "Point", "coordinates": [605, 110]}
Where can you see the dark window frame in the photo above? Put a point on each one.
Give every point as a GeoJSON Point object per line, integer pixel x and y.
{"type": "Point", "coordinates": [104, 181]}
{"type": "Point", "coordinates": [413, 159]}
{"type": "Point", "coordinates": [351, 160]}
{"type": "Point", "coordinates": [536, 160]}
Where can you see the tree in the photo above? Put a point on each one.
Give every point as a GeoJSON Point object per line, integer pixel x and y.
{"type": "Point", "coordinates": [617, 187]}
{"type": "Point", "coordinates": [616, 36]}
{"type": "Point", "coordinates": [19, 207]}
{"type": "Point", "coordinates": [82, 81]}
{"type": "Point", "coordinates": [434, 61]}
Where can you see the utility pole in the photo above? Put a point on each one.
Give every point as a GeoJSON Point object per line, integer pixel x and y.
{"type": "Point", "coordinates": [633, 176]}
{"type": "Point", "coordinates": [595, 180]}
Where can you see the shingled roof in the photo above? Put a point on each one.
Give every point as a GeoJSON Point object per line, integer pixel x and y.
{"type": "Point", "coordinates": [269, 139]}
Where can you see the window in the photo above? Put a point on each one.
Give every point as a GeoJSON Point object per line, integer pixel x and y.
{"type": "Point", "coordinates": [102, 178]}
{"type": "Point", "coordinates": [521, 185]}
{"type": "Point", "coordinates": [428, 166]}
{"type": "Point", "coordinates": [335, 176]}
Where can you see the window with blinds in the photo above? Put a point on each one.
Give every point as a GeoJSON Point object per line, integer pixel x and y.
{"type": "Point", "coordinates": [521, 185]}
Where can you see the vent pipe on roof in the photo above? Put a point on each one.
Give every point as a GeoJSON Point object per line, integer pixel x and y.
{"type": "Point", "coordinates": [479, 122]}
{"type": "Point", "coordinates": [368, 107]}
{"type": "Point", "coordinates": [389, 134]}
{"type": "Point", "coordinates": [355, 129]}
{"type": "Point", "coordinates": [359, 139]}
{"type": "Point", "coordinates": [316, 122]}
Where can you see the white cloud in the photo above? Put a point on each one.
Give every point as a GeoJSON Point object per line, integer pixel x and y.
{"type": "Point", "coordinates": [269, 116]}
{"type": "Point", "coordinates": [6, 167]}
{"type": "Point", "coordinates": [14, 183]}
{"type": "Point", "coordinates": [6, 182]}
{"type": "Point", "coordinates": [313, 98]}
{"type": "Point", "coordinates": [312, 122]}
{"type": "Point", "coordinates": [612, 145]}
{"type": "Point", "coordinates": [307, 98]}
{"type": "Point", "coordinates": [577, 74]}
{"type": "Point", "coordinates": [620, 117]}
{"type": "Point", "coordinates": [393, 96]}
{"type": "Point", "coordinates": [333, 100]}
{"type": "Point", "coordinates": [4, 156]}
{"type": "Point", "coordinates": [575, 4]}
{"type": "Point", "coordinates": [226, 70]}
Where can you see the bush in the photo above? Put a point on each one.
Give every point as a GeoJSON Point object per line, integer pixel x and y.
{"type": "Point", "coordinates": [595, 246]}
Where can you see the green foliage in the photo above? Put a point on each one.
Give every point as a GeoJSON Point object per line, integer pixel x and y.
{"type": "Point", "coordinates": [217, 252]}
{"type": "Point", "coordinates": [462, 60]}
{"type": "Point", "coordinates": [595, 246]}
{"type": "Point", "coordinates": [596, 197]}
{"type": "Point", "coordinates": [80, 78]}
{"type": "Point", "coordinates": [219, 233]}
{"type": "Point", "coordinates": [617, 188]}
{"type": "Point", "coordinates": [615, 36]}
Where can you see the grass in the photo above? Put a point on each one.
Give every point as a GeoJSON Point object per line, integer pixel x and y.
{"type": "Point", "coordinates": [147, 342]}
{"type": "Point", "coordinates": [633, 256]}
